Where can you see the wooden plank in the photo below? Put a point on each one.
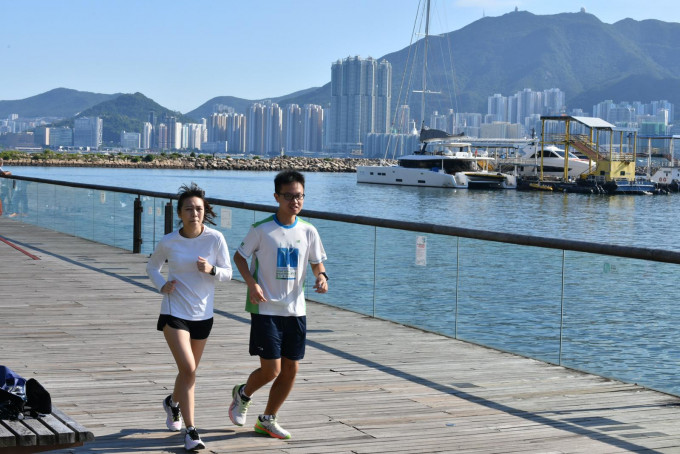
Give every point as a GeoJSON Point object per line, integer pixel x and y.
{"type": "Point", "coordinates": [23, 435]}
{"type": "Point", "coordinates": [44, 435]}
{"type": "Point", "coordinates": [7, 438]}
{"type": "Point", "coordinates": [82, 434]}
{"type": "Point", "coordinates": [356, 391]}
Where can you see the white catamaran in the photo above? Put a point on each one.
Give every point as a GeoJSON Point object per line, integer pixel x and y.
{"type": "Point", "coordinates": [442, 161]}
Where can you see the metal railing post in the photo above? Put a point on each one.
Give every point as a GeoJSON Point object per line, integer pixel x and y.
{"type": "Point", "coordinates": [137, 226]}
{"type": "Point", "coordinates": [168, 217]}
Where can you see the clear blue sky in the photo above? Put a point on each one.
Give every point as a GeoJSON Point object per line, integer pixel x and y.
{"type": "Point", "coordinates": [183, 53]}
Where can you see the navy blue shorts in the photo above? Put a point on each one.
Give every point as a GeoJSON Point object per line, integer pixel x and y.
{"type": "Point", "coordinates": [273, 336]}
{"type": "Point", "coordinates": [198, 329]}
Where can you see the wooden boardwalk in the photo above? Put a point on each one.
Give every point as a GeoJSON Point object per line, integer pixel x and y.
{"type": "Point", "coordinates": [82, 318]}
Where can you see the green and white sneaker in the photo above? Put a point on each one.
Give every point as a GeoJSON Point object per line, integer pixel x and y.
{"type": "Point", "coordinates": [271, 427]}
{"type": "Point", "coordinates": [239, 407]}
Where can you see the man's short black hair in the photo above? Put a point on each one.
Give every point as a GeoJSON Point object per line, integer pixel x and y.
{"type": "Point", "coordinates": [287, 177]}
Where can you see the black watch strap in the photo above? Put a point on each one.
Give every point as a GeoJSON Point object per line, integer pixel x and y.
{"type": "Point", "coordinates": [323, 273]}
{"type": "Point", "coordinates": [213, 271]}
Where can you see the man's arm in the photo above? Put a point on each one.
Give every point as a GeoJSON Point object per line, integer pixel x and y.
{"type": "Point", "coordinates": [321, 284]}
{"type": "Point", "coordinates": [256, 294]}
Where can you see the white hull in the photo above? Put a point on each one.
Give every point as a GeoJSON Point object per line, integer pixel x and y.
{"type": "Point", "coordinates": [529, 163]}
{"type": "Point", "coordinates": [402, 176]}
{"type": "Point", "coordinates": [406, 177]}
{"type": "Point", "coordinates": [666, 175]}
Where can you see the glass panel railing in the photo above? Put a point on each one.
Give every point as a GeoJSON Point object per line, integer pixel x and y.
{"type": "Point", "coordinates": [617, 314]}
{"type": "Point", "coordinates": [509, 297]}
{"type": "Point", "coordinates": [153, 221]}
{"type": "Point", "coordinates": [532, 296]}
{"type": "Point", "coordinates": [85, 224]}
{"type": "Point", "coordinates": [350, 264]}
{"type": "Point", "coordinates": [103, 215]}
{"type": "Point", "coordinates": [416, 278]}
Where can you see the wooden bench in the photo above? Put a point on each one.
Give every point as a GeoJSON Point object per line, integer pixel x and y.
{"type": "Point", "coordinates": [49, 432]}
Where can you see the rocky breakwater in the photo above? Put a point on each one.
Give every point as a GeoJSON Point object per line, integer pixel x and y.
{"type": "Point", "coordinates": [303, 164]}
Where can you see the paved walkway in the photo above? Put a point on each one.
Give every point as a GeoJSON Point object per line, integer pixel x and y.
{"type": "Point", "coordinates": [81, 319]}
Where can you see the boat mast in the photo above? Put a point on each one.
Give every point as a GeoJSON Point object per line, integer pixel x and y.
{"type": "Point", "coordinates": [427, 33]}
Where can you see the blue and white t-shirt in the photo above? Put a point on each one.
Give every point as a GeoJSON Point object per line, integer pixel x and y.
{"type": "Point", "coordinates": [280, 254]}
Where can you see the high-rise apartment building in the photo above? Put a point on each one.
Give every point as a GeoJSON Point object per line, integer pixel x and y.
{"type": "Point", "coordinates": [265, 124]}
{"type": "Point", "coordinates": [147, 136]}
{"type": "Point", "coordinates": [194, 136]}
{"type": "Point", "coordinates": [497, 108]}
{"type": "Point", "coordinates": [162, 136]}
{"type": "Point", "coordinates": [130, 140]}
{"type": "Point", "coordinates": [227, 127]}
{"type": "Point", "coordinates": [88, 132]}
{"type": "Point", "coordinates": [59, 137]}
{"type": "Point", "coordinates": [255, 143]}
{"type": "Point", "coordinates": [554, 102]}
{"type": "Point", "coordinates": [236, 132]}
{"type": "Point", "coordinates": [468, 123]}
{"type": "Point", "coordinates": [529, 102]}
{"type": "Point", "coordinates": [313, 128]}
{"type": "Point", "coordinates": [293, 128]}
{"type": "Point", "coordinates": [360, 101]}
{"type": "Point", "coordinates": [273, 130]}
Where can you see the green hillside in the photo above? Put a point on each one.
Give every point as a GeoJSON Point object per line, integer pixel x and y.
{"type": "Point", "coordinates": [60, 102]}
{"type": "Point", "coordinates": [240, 105]}
{"type": "Point", "coordinates": [127, 112]}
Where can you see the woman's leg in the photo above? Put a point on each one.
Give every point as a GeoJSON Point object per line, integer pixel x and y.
{"type": "Point", "coordinates": [187, 353]}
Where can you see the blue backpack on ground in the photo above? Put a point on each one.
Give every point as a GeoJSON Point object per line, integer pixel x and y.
{"type": "Point", "coordinates": [18, 395]}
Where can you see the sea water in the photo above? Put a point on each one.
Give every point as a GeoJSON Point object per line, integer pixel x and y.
{"type": "Point", "coordinates": [644, 221]}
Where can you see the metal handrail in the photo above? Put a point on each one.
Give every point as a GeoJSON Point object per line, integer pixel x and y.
{"type": "Point", "coordinates": [655, 255]}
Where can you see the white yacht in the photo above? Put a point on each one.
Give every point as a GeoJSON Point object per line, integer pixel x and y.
{"type": "Point", "coordinates": [666, 176]}
{"type": "Point", "coordinates": [528, 162]}
{"type": "Point", "coordinates": [446, 164]}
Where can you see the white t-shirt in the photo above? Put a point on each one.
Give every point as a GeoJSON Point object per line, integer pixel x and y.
{"type": "Point", "coordinates": [279, 264]}
{"type": "Point", "coordinates": [195, 291]}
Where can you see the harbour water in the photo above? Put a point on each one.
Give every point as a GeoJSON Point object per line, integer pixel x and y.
{"type": "Point", "coordinates": [506, 297]}
{"type": "Point", "coordinates": [645, 221]}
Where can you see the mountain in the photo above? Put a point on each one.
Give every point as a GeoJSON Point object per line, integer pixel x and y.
{"type": "Point", "coordinates": [126, 112]}
{"type": "Point", "coordinates": [590, 61]}
{"type": "Point", "coordinates": [60, 102]}
{"type": "Point", "coordinates": [240, 105]}
{"type": "Point", "coordinates": [576, 52]}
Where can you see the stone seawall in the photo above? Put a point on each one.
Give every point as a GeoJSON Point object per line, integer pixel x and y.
{"type": "Point", "coordinates": [302, 164]}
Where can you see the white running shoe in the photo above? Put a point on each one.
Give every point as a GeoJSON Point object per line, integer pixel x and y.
{"type": "Point", "coordinates": [239, 407]}
{"type": "Point", "coordinates": [271, 427]}
{"type": "Point", "coordinates": [174, 419]}
{"type": "Point", "coordinates": [192, 441]}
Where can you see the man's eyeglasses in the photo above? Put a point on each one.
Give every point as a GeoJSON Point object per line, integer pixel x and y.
{"type": "Point", "coordinates": [288, 196]}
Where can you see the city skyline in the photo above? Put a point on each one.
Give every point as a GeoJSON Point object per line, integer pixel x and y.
{"type": "Point", "coordinates": [171, 51]}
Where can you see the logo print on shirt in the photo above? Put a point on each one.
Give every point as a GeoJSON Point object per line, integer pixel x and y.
{"type": "Point", "coordinates": [287, 263]}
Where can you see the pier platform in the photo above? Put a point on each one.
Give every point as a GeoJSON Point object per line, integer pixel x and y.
{"type": "Point", "coordinates": [81, 318]}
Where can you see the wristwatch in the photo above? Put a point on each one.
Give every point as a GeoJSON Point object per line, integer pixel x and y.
{"type": "Point", "coordinates": [323, 273]}
{"type": "Point", "coordinates": [213, 271]}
